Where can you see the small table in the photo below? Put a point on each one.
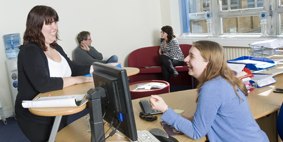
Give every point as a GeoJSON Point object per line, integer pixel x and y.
{"type": "Point", "coordinates": [58, 112]}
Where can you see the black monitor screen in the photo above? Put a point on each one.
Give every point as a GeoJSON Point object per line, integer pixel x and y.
{"type": "Point", "coordinates": [114, 80]}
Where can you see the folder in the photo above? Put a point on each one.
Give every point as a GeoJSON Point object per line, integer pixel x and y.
{"type": "Point", "coordinates": [262, 80]}
{"type": "Point", "coordinates": [254, 63]}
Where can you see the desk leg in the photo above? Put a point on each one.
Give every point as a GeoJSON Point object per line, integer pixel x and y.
{"type": "Point", "coordinates": [55, 127]}
{"type": "Point", "coordinates": [192, 79]}
{"type": "Point", "coordinates": [268, 125]}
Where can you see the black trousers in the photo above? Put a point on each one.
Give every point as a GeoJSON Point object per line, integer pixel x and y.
{"type": "Point", "coordinates": [168, 66]}
{"type": "Point", "coordinates": [37, 132]}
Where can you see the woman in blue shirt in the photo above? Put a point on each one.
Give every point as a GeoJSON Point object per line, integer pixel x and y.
{"type": "Point", "coordinates": [222, 112]}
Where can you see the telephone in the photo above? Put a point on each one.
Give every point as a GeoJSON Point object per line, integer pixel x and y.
{"type": "Point", "coordinates": [146, 108]}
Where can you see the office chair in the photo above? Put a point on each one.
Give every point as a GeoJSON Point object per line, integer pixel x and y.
{"type": "Point", "coordinates": [280, 123]}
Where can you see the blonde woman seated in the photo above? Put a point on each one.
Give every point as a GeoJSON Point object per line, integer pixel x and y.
{"type": "Point", "coordinates": [222, 112]}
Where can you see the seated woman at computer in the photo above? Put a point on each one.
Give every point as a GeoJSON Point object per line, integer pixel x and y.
{"type": "Point", "coordinates": [85, 54]}
{"type": "Point", "coordinates": [43, 66]}
{"type": "Point", "coordinates": [170, 53]}
{"type": "Point", "coordinates": [222, 112]}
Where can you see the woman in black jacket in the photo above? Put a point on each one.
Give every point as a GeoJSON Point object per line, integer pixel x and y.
{"type": "Point", "coordinates": [43, 66]}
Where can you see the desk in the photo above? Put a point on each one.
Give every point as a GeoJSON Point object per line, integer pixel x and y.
{"type": "Point", "coordinates": [186, 100]}
{"type": "Point", "coordinates": [76, 131]}
{"type": "Point", "coordinates": [262, 102]}
{"type": "Point", "coordinates": [71, 90]}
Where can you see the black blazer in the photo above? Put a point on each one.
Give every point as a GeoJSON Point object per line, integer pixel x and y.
{"type": "Point", "coordinates": [34, 78]}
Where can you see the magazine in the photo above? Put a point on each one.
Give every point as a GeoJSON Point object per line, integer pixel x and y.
{"type": "Point", "coordinates": [56, 101]}
{"type": "Point", "coordinates": [149, 86]}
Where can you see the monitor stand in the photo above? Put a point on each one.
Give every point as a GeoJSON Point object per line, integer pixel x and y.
{"type": "Point", "coordinates": [95, 113]}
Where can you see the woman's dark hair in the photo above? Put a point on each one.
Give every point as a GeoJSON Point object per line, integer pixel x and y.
{"type": "Point", "coordinates": [170, 34]}
{"type": "Point", "coordinates": [35, 20]}
{"type": "Point", "coordinates": [82, 36]}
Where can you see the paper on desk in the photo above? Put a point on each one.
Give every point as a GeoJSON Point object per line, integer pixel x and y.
{"type": "Point", "coordinates": [236, 67]}
{"type": "Point", "coordinates": [262, 80]}
{"type": "Point", "coordinates": [274, 43]}
{"type": "Point", "coordinates": [273, 71]}
{"type": "Point", "coordinates": [178, 111]}
{"type": "Point", "coordinates": [56, 101]}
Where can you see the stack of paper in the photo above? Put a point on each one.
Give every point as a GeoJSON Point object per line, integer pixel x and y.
{"type": "Point", "coordinates": [243, 74]}
{"type": "Point", "coordinates": [261, 80]}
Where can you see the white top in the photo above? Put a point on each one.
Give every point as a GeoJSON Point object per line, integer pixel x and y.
{"type": "Point", "coordinates": [59, 69]}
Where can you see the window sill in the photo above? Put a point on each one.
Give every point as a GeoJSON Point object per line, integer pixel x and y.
{"type": "Point", "coordinates": [226, 40]}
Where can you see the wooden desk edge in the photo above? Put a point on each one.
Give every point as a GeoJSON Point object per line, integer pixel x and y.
{"type": "Point", "coordinates": [66, 111]}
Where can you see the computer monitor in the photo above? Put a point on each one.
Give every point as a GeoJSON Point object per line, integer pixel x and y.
{"type": "Point", "coordinates": [117, 100]}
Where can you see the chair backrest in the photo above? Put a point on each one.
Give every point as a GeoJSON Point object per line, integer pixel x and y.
{"type": "Point", "coordinates": [148, 56]}
{"type": "Point", "coordinates": [280, 123]}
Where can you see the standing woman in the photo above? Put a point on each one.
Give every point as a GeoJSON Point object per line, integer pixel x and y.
{"type": "Point", "coordinates": [170, 53]}
{"type": "Point", "coordinates": [222, 112]}
{"type": "Point", "coordinates": [43, 66]}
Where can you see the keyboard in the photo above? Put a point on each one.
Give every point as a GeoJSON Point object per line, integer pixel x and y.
{"type": "Point", "coordinates": [145, 136]}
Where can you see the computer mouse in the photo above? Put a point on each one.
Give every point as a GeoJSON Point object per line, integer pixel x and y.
{"type": "Point", "coordinates": [162, 136]}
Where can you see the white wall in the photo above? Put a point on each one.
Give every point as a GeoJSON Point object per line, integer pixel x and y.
{"type": "Point", "coordinates": [116, 26]}
{"type": "Point", "coordinates": [170, 15]}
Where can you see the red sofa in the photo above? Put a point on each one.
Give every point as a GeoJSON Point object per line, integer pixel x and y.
{"type": "Point", "coordinates": [147, 60]}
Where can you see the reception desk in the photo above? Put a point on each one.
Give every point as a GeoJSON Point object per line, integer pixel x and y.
{"type": "Point", "coordinates": [264, 105]}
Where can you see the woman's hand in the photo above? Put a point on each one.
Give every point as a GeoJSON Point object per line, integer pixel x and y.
{"type": "Point", "coordinates": [160, 51]}
{"type": "Point", "coordinates": [113, 64]}
{"type": "Point", "coordinates": [191, 118]}
{"type": "Point", "coordinates": [84, 46]}
{"type": "Point", "coordinates": [157, 103]}
{"type": "Point", "coordinates": [68, 81]}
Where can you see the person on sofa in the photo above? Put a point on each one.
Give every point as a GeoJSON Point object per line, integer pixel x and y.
{"type": "Point", "coordinates": [170, 53]}
{"type": "Point", "coordinates": [85, 54]}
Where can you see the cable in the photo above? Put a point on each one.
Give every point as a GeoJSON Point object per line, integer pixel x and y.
{"type": "Point", "coordinates": [104, 112]}
{"type": "Point", "coordinates": [111, 124]}
{"type": "Point", "coordinates": [112, 132]}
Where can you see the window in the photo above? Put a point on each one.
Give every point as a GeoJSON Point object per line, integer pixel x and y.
{"type": "Point", "coordinates": [198, 26]}
{"type": "Point", "coordinates": [255, 3]}
{"type": "Point", "coordinates": [241, 15]}
{"type": "Point", "coordinates": [247, 24]}
{"type": "Point", "coordinates": [230, 4]}
{"type": "Point", "coordinates": [198, 23]}
{"type": "Point", "coordinates": [196, 6]}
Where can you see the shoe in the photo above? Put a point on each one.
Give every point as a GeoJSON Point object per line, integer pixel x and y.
{"type": "Point", "coordinates": [175, 74]}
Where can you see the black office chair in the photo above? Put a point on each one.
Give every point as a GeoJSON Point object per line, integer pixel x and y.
{"type": "Point", "coordinates": [280, 122]}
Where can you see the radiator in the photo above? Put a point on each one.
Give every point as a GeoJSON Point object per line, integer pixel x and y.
{"type": "Point", "coordinates": [235, 52]}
